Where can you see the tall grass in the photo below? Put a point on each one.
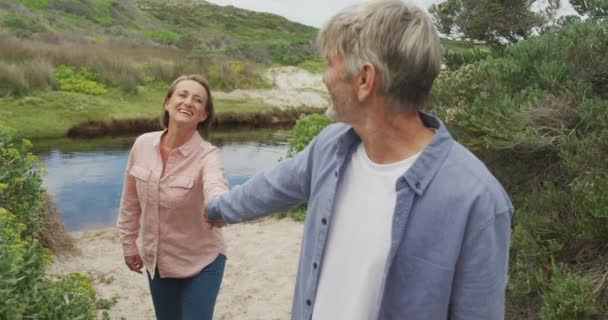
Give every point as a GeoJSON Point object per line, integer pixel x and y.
{"type": "Point", "coordinates": [27, 65]}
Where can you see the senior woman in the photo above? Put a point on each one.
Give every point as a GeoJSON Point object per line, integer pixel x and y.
{"type": "Point", "coordinates": [170, 176]}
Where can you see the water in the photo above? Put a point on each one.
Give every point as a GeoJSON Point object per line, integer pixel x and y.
{"type": "Point", "coordinates": [85, 176]}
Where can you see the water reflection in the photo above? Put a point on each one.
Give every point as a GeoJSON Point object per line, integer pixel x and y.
{"type": "Point", "coordinates": [85, 176]}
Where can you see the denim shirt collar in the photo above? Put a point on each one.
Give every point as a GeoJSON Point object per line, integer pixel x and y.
{"type": "Point", "coordinates": [420, 175]}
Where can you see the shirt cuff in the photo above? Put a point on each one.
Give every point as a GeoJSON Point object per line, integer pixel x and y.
{"type": "Point", "coordinates": [212, 212]}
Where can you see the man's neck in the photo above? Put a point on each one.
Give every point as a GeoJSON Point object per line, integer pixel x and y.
{"type": "Point", "coordinates": [389, 137]}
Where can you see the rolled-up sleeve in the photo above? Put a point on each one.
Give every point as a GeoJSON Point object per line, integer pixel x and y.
{"type": "Point", "coordinates": [130, 211]}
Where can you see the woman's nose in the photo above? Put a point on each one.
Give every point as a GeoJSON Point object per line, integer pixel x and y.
{"type": "Point", "coordinates": [188, 101]}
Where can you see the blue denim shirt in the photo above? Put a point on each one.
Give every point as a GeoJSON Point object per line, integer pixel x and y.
{"type": "Point", "coordinates": [450, 233]}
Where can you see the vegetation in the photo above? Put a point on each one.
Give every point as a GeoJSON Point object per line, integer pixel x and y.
{"type": "Point", "coordinates": [537, 115]}
{"type": "Point", "coordinates": [594, 9]}
{"type": "Point", "coordinates": [25, 292]}
{"type": "Point", "coordinates": [492, 21]}
{"type": "Point", "coordinates": [52, 114]}
{"type": "Point", "coordinates": [228, 45]}
{"type": "Point", "coordinates": [305, 129]}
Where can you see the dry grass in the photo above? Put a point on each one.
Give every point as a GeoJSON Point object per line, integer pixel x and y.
{"type": "Point", "coordinates": [52, 234]}
{"type": "Point", "coordinates": [27, 65]}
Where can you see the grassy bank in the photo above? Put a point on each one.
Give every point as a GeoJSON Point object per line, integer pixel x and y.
{"type": "Point", "coordinates": [53, 113]}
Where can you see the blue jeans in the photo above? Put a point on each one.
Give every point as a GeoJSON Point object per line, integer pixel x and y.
{"type": "Point", "coordinates": [190, 298]}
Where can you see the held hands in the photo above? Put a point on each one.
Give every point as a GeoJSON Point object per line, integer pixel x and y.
{"type": "Point", "coordinates": [134, 263]}
{"type": "Point", "coordinates": [214, 224]}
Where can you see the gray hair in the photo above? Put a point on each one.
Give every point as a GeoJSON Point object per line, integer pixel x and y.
{"type": "Point", "coordinates": [399, 39]}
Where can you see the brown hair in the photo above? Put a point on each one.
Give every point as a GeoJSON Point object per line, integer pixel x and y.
{"type": "Point", "coordinates": [203, 126]}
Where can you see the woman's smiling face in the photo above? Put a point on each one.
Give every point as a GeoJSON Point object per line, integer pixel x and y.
{"type": "Point", "coordinates": [187, 104]}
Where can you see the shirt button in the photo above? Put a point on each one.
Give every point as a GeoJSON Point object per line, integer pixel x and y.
{"type": "Point", "coordinates": [417, 185]}
{"type": "Point", "coordinates": [314, 265]}
{"type": "Point", "coordinates": [308, 302]}
{"type": "Point", "coordinates": [324, 221]}
{"type": "Point", "coordinates": [336, 173]}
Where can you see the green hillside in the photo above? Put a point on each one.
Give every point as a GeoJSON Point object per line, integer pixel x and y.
{"type": "Point", "coordinates": [206, 29]}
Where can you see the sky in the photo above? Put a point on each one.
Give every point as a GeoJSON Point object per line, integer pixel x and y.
{"type": "Point", "coordinates": [316, 12]}
{"type": "Point", "coordinates": [310, 12]}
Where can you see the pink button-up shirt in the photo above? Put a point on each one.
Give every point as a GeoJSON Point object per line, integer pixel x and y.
{"type": "Point", "coordinates": [168, 207]}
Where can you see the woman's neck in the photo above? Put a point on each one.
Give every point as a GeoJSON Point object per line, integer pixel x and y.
{"type": "Point", "coordinates": [176, 137]}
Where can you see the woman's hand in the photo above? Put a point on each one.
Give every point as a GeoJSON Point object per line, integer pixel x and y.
{"type": "Point", "coordinates": [134, 263]}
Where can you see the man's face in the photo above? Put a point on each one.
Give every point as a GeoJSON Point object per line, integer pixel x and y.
{"type": "Point", "coordinates": [342, 91]}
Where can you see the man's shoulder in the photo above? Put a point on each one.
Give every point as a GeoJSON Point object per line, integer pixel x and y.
{"type": "Point", "coordinates": [332, 134]}
{"type": "Point", "coordinates": [473, 178]}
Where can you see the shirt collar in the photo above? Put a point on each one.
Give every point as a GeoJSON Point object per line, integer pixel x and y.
{"type": "Point", "coordinates": [187, 147]}
{"type": "Point", "coordinates": [421, 173]}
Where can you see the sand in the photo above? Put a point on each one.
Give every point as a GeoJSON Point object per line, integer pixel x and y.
{"type": "Point", "coordinates": [258, 280]}
{"type": "Point", "coordinates": [292, 87]}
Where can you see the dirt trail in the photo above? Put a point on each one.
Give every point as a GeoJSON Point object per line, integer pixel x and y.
{"type": "Point", "coordinates": [258, 281]}
{"type": "Point", "coordinates": [293, 88]}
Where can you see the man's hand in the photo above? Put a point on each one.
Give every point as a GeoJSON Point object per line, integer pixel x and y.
{"type": "Point", "coordinates": [134, 263]}
{"type": "Point", "coordinates": [215, 224]}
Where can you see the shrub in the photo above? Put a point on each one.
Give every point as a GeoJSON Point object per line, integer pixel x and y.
{"type": "Point", "coordinates": [305, 129]}
{"type": "Point", "coordinates": [12, 80]}
{"type": "Point", "coordinates": [230, 75]}
{"type": "Point", "coordinates": [24, 290]}
{"type": "Point", "coordinates": [163, 37]}
{"type": "Point", "coordinates": [23, 26]}
{"type": "Point", "coordinates": [454, 59]}
{"type": "Point", "coordinates": [567, 296]}
{"type": "Point", "coordinates": [537, 115]}
{"type": "Point", "coordinates": [35, 4]}
{"type": "Point", "coordinates": [79, 80]}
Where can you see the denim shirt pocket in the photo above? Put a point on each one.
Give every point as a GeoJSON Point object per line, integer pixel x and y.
{"type": "Point", "coordinates": [142, 175]}
{"type": "Point", "coordinates": [178, 191]}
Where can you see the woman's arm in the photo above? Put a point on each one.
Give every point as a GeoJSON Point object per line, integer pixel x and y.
{"type": "Point", "coordinates": [129, 212]}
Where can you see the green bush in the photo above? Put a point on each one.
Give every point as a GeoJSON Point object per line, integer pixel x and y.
{"type": "Point", "coordinates": [163, 37]}
{"type": "Point", "coordinates": [454, 59]}
{"type": "Point", "coordinates": [23, 26]}
{"type": "Point", "coordinates": [79, 80]}
{"type": "Point", "coordinates": [35, 4]}
{"type": "Point", "coordinates": [25, 291]}
{"type": "Point", "coordinates": [537, 114]}
{"type": "Point", "coordinates": [567, 296]}
{"type": "Point", "coordinates": [305, 129]}
{"type": "Point", "coordinates": [230, 75]}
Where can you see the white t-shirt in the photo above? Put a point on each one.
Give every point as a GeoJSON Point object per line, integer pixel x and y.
{"type": "Point", "coordinates": [359, 239]}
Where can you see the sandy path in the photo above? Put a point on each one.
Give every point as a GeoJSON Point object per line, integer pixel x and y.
{"type": "Point", "coordinates": [292, 88]}
{"type": "Point", "coordinates": [258, 281]}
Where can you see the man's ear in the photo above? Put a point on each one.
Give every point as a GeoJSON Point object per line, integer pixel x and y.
{"type": "Point", "coordinates": [367, 82]}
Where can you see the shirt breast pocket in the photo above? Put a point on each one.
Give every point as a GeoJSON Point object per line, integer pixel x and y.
{"type": "Point", "coordinates": [178, 191]}
{"type": "Point", "coordinates": [142, 175]}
